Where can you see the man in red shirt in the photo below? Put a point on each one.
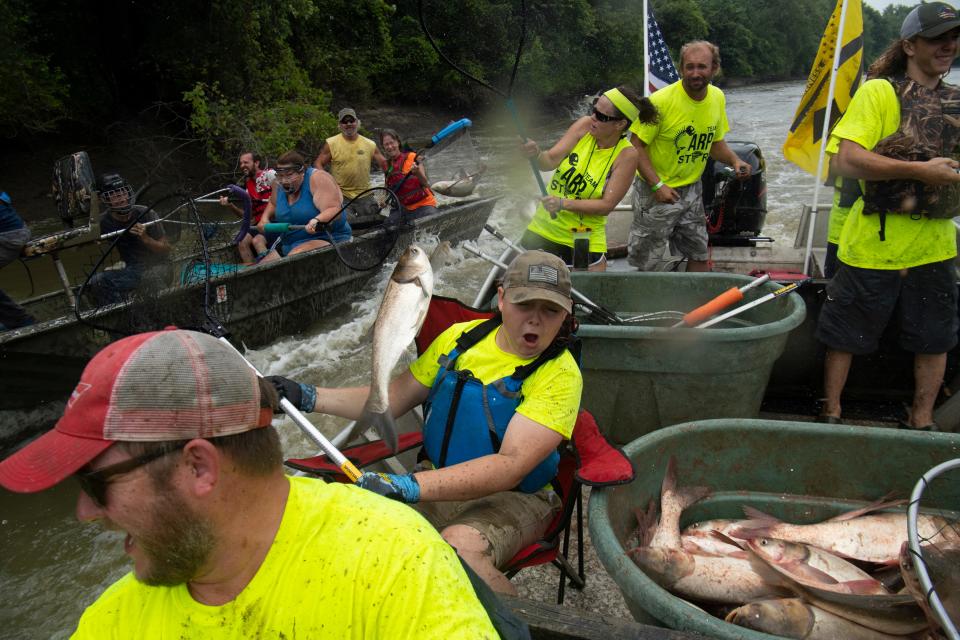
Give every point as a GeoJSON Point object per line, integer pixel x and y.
{"type": "Point", "coordinates": [258, 184]}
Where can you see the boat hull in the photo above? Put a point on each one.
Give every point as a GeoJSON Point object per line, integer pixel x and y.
{"type": "Point", "coordinates": [40, 364]}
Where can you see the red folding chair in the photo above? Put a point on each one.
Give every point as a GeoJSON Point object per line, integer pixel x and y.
{"type": "Point", "coordinates": [588, 459]}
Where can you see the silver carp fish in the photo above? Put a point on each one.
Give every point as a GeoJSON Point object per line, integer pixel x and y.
{"type": "Point", "coordinates": [399, 318]}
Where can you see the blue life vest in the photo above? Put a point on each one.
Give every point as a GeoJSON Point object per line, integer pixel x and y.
{"type": "Point", "coordinates": [465, 419]}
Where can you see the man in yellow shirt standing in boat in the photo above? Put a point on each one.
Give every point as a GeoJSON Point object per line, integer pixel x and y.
{"type": "Point", "coordinates": [668, 201]}
{"type": "Point", "coordinates": [168, 434]}
{"type": "Point", "coordinates": [349, 157]}
{"type": "Point", "coordinates": [898, 241]}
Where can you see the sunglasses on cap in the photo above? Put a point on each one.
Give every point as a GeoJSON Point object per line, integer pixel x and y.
{"type": "Point", "coordinates": [95, 483]}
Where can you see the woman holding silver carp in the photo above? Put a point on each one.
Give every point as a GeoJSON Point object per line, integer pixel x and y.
{"type": "Point", "coordinates": [500, 396]}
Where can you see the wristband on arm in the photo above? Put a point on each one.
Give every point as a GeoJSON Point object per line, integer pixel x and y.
{"type": "Point", "coordinates": [657, 186]}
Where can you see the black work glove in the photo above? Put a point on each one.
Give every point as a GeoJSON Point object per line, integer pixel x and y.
{"type": "Point", "coordinates": [302, 396]}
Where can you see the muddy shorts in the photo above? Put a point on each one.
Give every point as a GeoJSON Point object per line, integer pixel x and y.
{"type": "Point", "coordinates": [509, 520]}
{"type": "Point", "coordinates": [860, 303]}
{"type": "Point", "coordinates": [681, 223]}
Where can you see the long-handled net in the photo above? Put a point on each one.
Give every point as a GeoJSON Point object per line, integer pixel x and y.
{"type": "Point", "coordinates": [507, 94]}
{"type": "Point", "coordinates": [127, 288]}
{"type": "Point", "coordinates": [132, 286]}
{"type": "Point", "coordinates": [934, 544]}
{"type": "Point", "coordinates": [455, 168]}
{"type": "Point", "coordinates": [373, 237]}
{"type": "Point", "coordinates": [186, 290]}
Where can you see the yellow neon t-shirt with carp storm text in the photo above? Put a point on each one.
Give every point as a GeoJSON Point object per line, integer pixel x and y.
{"type": "Point", "coordinates": [581, 175]}
{"type": "Point", "coordinates": [679, 143]}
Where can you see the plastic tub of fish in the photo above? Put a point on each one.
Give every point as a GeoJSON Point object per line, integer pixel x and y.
{"type": "Point", "coordinates": [644, 376]}
{"type": "Point", "coordinates": [795, 472]}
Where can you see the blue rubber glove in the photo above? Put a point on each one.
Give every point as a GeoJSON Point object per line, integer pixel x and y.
{"type": "Point", "coordinates": [302, 396]}
{"type": "Point", "coordinates": [402, 488]}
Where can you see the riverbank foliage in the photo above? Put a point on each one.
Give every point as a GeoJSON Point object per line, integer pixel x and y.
{"type": "Point", "coordinates": [266, 75]}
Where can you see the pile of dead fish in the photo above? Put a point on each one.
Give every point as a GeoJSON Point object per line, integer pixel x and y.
{"type": "Point", "coordinates": [848, 577]}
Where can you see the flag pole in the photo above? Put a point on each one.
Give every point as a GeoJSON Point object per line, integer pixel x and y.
{"type": "Point", "coordinates": [646, 49]}
{"type": "Point", "coordinates": [823, 138]}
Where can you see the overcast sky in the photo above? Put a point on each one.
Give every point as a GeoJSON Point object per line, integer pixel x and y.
{"type": "Point", "coordinates": [879, 5]}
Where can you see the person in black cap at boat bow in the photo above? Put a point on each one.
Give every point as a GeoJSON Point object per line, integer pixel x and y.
{"type": "Point", "coordinates": [898, 243]}
{"type": "Point", "coordinates": [143, 246]}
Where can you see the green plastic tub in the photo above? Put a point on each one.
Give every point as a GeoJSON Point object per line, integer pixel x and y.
{"type": "Point", "coordinates": [757, 462]}
{"type": "Point", "coordinates": [639, 378]}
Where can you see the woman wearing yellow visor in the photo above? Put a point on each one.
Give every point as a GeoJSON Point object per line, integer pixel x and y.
{"type": "Point", "coordinates": [594, 166]}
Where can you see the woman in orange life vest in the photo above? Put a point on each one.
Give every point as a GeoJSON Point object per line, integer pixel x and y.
{"type": "Point", "coordinates": [406, 177]}
{"type": "Point", "coordinates": [594, 166]}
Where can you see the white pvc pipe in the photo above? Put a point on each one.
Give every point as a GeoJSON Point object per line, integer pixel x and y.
{"type": "Point", "coordinates": [823, 138]}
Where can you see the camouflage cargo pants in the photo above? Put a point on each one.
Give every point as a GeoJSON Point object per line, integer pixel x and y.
{"type": "Point", "coordinates": [681, 223]}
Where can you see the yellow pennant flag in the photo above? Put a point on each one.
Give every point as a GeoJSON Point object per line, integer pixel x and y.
{"type": "Point", "coordinates": [803, 142]}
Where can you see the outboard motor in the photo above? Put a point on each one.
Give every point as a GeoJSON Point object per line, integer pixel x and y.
{"type": "Point", "coordinates": [736, 210]}
{"type": "Point", "coordinates": [74, 187]}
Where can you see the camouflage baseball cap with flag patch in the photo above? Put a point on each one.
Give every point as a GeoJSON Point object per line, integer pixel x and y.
{"type": "Point", "coordinates": [538, 275]}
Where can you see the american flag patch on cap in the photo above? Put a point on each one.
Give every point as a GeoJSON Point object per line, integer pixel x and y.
{"type": "Point", "coordinates": [543, 273]}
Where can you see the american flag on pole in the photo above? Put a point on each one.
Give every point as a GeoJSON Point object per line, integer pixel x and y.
{"type": "Point", "coordinates": [660, 68]}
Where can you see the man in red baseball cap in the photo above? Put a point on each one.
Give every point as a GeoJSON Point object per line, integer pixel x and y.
{"type": "Point", "coordinates": [168, 434]}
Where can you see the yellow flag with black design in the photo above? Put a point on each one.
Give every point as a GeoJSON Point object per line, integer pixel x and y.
{"type": "Point", "coordinates": [803, 141]}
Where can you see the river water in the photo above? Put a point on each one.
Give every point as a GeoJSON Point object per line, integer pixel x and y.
{"type": "Point", "coordinates": [51, 567]}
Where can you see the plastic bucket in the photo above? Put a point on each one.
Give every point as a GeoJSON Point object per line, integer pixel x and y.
{"type": "Point", "coordinates": [834, 468]}
{"type": "Point", "coordinates": [638, 378]}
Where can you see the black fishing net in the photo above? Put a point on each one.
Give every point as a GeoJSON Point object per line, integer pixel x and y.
{"type": "Point", "coordinates": [455, 165]}
{"type": "Point", "coordinates": [374, 233]}
{"type": "Point", "coordinates": [164, 263]}
{"type": "Point", "coordinates": [930, 563]}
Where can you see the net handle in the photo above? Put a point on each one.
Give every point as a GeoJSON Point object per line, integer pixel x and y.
{"type": "Point", "coordinates": [506, 95]}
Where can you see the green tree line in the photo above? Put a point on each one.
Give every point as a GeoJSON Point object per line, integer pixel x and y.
{"type": "Point", "coordinates": [267, 74]}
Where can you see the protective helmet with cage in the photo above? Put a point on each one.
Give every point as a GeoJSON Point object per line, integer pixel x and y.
{"type": "Point", "coordinates": [115, 192]}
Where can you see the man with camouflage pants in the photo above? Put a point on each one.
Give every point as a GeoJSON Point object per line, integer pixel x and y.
{"type": "Point", "coordinates": [667, 202]}
{"type": "Point", "coordinates": [897, 247]}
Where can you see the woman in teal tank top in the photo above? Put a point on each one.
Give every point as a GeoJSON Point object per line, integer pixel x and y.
{"type": "Point", "coordinates": [304, 196]}
{"type": "Point", "coordinates": [594, 166]}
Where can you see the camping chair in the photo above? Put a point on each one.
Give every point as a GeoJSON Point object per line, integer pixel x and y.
{"type": "Point", "coordinates": [587, 460]}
